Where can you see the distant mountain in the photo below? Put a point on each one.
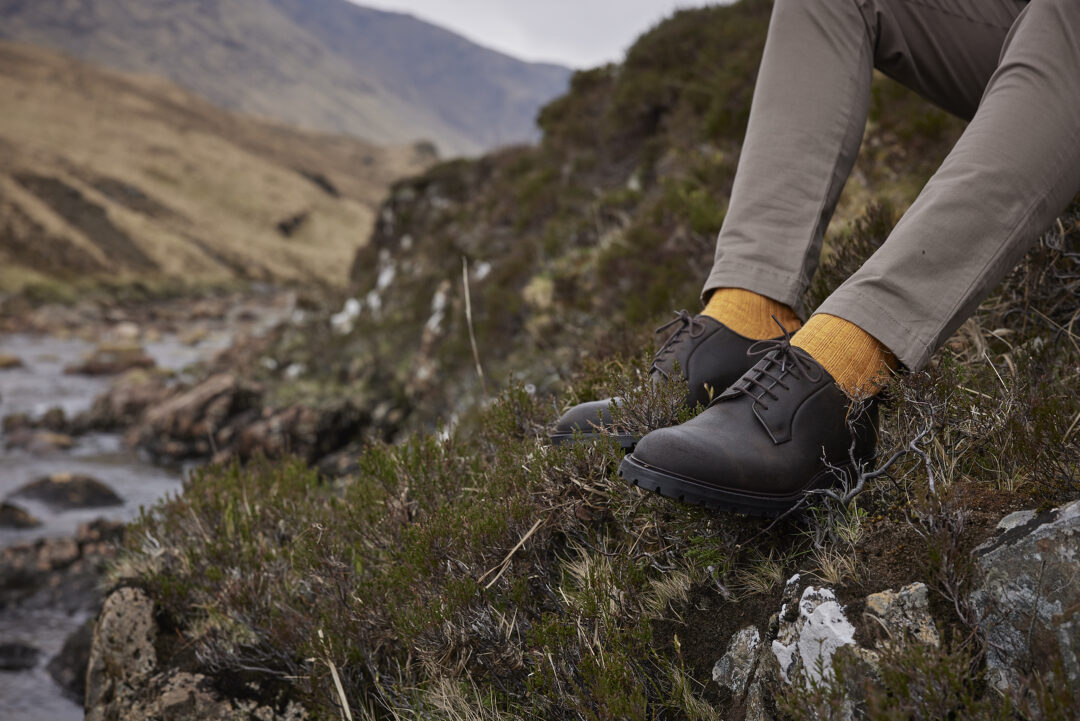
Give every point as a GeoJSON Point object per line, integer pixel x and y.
{"type": "Point", "coordinates": [323, 64]}
{"type": "Point", "coordinates": [122, 178]}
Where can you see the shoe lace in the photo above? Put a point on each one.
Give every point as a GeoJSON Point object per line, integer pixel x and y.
{"type": "Point", "coordinates": [689, 327]}
{"type": "Point", "coordinates": [779, 360]}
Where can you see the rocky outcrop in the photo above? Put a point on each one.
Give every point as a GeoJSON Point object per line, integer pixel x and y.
{"type": "Point", "coordinates": [803, 640]}
{"type": "Point", "coordinates": [811, 631]}
{"type": "Point", "coordinates": [300, 430]}
{"type": "Point", "coordinates": [187, 425]}
{"type": "Point", "coordinates": [125, 679]}
{"type": "Point", "coordinates": [224, 417]}
{"type": "Point", "coordinates": [1028, 598]}
{"type": "Point", "coordinates": [122, 652]}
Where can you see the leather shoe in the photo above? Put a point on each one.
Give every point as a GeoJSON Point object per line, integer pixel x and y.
{"type": "Point", "coordinates": [708, 354]}
{"type": "Point", "coordinates": [783, 429]}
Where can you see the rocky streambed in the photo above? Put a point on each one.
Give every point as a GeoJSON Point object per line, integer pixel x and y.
{"type": "Point", "coordinates": [75, 384]}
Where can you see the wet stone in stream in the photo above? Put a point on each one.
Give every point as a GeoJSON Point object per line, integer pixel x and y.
{"type": "Point", "coordinates": [65, 490]}
{"type": "Point", "coordinates": [8, 361]}
{"type": "Point", "coordinates": [18, 657]}
{"type": "Point", "coordinates": [11, 516]}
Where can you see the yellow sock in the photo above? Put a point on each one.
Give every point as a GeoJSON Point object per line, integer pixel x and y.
{"type": "Point", "coordinates": [857, 361]}
{"type": "Point", "coordinates": [750, 314]}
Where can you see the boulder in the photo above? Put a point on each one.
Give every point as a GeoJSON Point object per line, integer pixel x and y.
{"type": "Point", "coordinates": [68, 491]}
{"type": "Point", "coordinates": [122, 654]}
{"type": "Point", "coordinates": [15, 656]}
{"type": "Point", "coordinates": [1028, 596]}
{"type": "Point", "coordinates": [13, 517]}
{"type": "Point", "coordinates": [112, 359]}
{"type": "Point", "coordinates": [7, 362]}
{"type": "Point", "coordinates": [68, 667]}
{"type": "Point", "coordinates": [55, 420]}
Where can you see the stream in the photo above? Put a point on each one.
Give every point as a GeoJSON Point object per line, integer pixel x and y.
{"type": "Point", "coordinates": [39, 385]}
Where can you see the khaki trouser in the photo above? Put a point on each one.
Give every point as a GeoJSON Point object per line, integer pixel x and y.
{"type": "Point", "coordinates": [1010, 66]}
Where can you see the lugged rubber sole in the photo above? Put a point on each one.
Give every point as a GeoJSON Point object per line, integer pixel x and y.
{"type": "Point", "coordinates": [626, 442]}
{"type": "Point", "coordinates": [686, 490]}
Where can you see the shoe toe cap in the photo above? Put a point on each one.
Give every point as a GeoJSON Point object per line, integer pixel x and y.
{"type": "Point", "coordinates": [682, 450]}
{"type": "Point", "coordinates": [586, 417]}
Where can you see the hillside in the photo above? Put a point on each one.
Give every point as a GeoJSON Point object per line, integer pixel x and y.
{"type": "Point", "coordinates": [447, 562]}
{"type": "Point", "coordinates": [117, 177]}
{"type": "Point", "coordinates": [328, 65]}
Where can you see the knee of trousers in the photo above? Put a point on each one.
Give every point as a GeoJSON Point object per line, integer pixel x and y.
{"type": "Point", "coordinates": [1063, 12]}
{"type": "Point", "coordinates": [828, 12]}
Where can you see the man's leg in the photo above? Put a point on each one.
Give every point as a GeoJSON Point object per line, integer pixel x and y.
{"type": "Point", "coordinates": [810, 108]}
{"type": "Point", "coordinates": [1015, 168]}
{"type": "Point", "coordinates": [783, 428]}
{"type": "Point", "coordinates": [809, 112]}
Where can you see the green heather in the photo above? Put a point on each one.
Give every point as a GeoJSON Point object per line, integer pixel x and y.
{"type": "Point", "coordinates": [474, 572]}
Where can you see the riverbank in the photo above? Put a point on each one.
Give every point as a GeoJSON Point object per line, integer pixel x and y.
{"type": "Point", "coordinates": [61, 424]}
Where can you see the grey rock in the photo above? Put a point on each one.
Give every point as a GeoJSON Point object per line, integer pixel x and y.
{"type": "Point", "coordinates": [903, 616]}
{"type": "Point", "coordinates": [68, 667]}
{"type": "Point", "coordinates": [11, 516]}
{"type": "Point", "coordinates": [67, 491]}
{"type": "Point", "coordinates": [122, 654]}
{"type": "Point", "coordinates": [18, 657]}
{"type": "Point", "coordinates": [805, 646]}
{"type": "Point", "coordinates": [1028, 595]}
{"type": "Point", "coordinates": [734, 670]}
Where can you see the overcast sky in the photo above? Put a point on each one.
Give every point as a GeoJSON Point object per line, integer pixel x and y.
{"type": "Point", "coordinates": [578, 33]}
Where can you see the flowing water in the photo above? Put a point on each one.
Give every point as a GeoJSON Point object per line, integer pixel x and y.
{"type": "Point", "coordinates": [38, 386]}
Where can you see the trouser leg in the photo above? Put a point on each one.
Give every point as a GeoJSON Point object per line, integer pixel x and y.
{"type": "Point", "coordinates": [809, 112]}
{"type": "Point", "coordinates": [1015, 169]}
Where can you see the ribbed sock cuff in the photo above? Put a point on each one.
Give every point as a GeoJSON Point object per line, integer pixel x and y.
{"type": "Point", "coordinates": [750, 314]}
{"type": "Point", "coordinates": [857, 361]}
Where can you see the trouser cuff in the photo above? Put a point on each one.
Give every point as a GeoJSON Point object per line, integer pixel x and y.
{"type": "Point", "coordinates": [763, 281]}
{"type": "Point", "coordinates": [866, 312]}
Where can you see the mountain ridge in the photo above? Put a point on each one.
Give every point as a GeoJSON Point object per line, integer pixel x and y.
{"type": "Point", "coordinates": [326, 65]}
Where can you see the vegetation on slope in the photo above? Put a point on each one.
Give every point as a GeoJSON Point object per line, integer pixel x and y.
{"type": "Point", "coordinates": [478, 573]}
{"type": "Point", "coordinates": [485, 574]}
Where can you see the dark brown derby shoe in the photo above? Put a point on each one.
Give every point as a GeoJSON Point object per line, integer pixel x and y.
{"type": "Point", "coordinates": [708, 354]}
{"type": "Point", "coordinates": [781, 430]}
